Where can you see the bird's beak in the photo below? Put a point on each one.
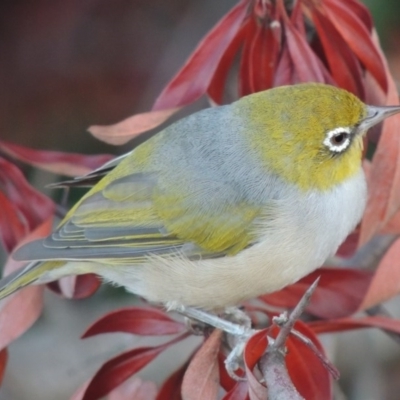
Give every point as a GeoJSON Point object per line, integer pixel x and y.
{"type": "Point", "coordinates": [375, 115]}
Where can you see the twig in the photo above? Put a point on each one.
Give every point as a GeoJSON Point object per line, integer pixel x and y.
{"type": "Point", "coordinates": [272, 363]}
{"type": "Point", "coordinates": [287, 326]}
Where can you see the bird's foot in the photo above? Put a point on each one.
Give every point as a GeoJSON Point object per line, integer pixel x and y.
{"type": "Point", "coordinates": [236, 325]}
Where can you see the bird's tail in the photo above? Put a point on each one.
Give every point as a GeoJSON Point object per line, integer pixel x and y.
{"type": "Point", "coordinates": [26, 276]}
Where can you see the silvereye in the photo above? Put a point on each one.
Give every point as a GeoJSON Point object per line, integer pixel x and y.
{"type": "Point", "coordinates": [224, 205]}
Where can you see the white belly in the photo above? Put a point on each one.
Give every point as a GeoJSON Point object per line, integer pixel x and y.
{"type": "Point", "coordinates": [306, 232]}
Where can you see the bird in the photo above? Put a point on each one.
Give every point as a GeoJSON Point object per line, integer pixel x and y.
{"type": "Point", "coordinates": [222, 206]}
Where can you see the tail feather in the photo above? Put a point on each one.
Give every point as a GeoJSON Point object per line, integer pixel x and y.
{"type": "Point", "coordinates": [25, 276]}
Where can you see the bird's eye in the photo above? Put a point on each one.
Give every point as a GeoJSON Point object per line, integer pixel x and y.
{"type": "Point", "coordinates": [338, 139]}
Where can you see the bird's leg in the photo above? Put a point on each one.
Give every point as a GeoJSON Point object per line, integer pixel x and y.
{"type": "Point", "coordinates": [241, 332]}
{"type": "Point", "coordinates": [237, 315]}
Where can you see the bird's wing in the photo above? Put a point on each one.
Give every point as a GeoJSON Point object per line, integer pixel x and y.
{"type": "Point", "coordinates": [132, 216]}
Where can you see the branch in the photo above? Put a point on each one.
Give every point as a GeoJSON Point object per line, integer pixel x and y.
{"type": "Point", "coordinates": [272, 363]}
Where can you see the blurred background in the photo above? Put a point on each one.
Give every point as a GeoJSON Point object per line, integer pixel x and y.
{"type": "Point", "coordinates": [65, 65]}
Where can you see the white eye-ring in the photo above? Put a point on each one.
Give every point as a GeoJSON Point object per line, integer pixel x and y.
{"type": "Point", "coordinates": [338, 139]}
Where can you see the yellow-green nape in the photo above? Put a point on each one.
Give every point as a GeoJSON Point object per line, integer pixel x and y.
{"type": "Point", "coordinates": [288, 126]}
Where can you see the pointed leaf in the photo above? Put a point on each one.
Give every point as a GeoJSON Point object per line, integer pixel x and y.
{"type": "Point", "coordinates": [386, 280]}
{"type": "Point", "coordinates": [339, 292]}
{"type": "Point", "coordinates": [120, 368]}
{"type": "Point", "coordinates": [357, 36]}
{"type": "Point", "coordinates": [238, 392]}
{"type": "Point", "coordinates": [362, 13]}
{"type": "Point", "coordinates": [384, 181]}
{"type": "Point", "coordinates": [308, 374]}
{"type": "Point", "coordinates": [12, 228]}
{"type": "Point", "coordinates": [193, 79]}
{"type": "Point", "coordinates": [77, 286]}
{"type": "Point", "coordinates": [69, 164]}
{"type": "Point", "coordinates": [284, 74]}
{"type": "Point", "coordinates": [217, 84]}
{"type": "Point", "coordinates": [344, 66]}
{"type": "Point", "coordinates": [254, 350]}
{"type": "Point", "coordinates": [19, 311]}
{"type": "Point", "coordinates": [131, 127]}
{"type": "Point", "coordinates": [201, 380]}
{"type": "Point", "coordinates": [350, 245]}
{"type": "Point", "coordinates": [33, 206]}
{"type": "Point", "coordinates": [226, 382]}
{"type": "Point", "coordinates": [307, 66]}
{"type": "Point", "coordinates": [245, 78]}
{"type": "Point", "coordinates": [264, 53]}
{"type": "Point", "coordinates": [3, 363]}
{"type": "Point", "coordinates": [137, 320]}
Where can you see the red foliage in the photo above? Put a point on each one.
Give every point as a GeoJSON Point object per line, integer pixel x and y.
{"type": "Point", "coordinates": [273, 47]}
{"type": "Point", "coordinates": [339, 292]}
{"type": "Point", "coordinates": [138, 321]}
{"type": "Point", "coordinates": [201, 379]}
{"type": "Point", "coordinates": [55, 161]}
{"type": "Point", "coordinates": [269, 37]}
{"type": "Point", "coordinates": [120, 368]}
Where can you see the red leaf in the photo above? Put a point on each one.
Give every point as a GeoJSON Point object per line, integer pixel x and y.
{"type": "Point", "coordinates": [284, 74]}
{"type": "Point", "coordinates": [195, 76]}
{"type": "Point", "coordinates": [385, 283]}
{"type": "Point", "coordinates": [86, 285]}
{"type": "Point", "coordinates": [33, 206]}
{"type": "Point", "coordinates": [350, 245]}
{"type": "Point", "coordinates": [245, 78]}
{"type": "Point", "coordinates": [120, 368]}
{"type": "Point", "coordinates": [19, 311]}
{"type": "Point", "coordinates": [12, 228]}
{"type": "Point", "coordinates": [384, 180]}
{"type": "Point", "coordinates": [217, 84]}
{"type": "Point", "coordinates": [264, 53]}
{"type": "Point", "coordinates": [171, 388]}
{"type": "Point", "coordinates": [306, 371]}
{"type": "Point", "coordinates": [254, 350]}
{"type": "Point", "coordinates": [362, 13]}
{"type": "Point", "coordinates": [70, 164]}
{"type": "Point", "coordinates": [136, 320]}
{"type": "Point", "coordinates": [307, 66]}
{"type": "Point", "coordinates": [344, 66]}
{"type": "Point", "coordinates": [76, 286]}
{"type": "Point", "coordinates": [225, 380]}
{"type": "Point", "coordinates": [356, 34]}
{"type": "Point", "coordinates": [3, 363]}
{"type": "Point", "coordinates": [201, 380]}
{"type": "Point", "coordinates": [339, 292]}
{"type": "Point", "coordinates": [238, 392]}
{"type": "Point", "coordinates": [131, 127]}
{"type": "Point", "coordinates": [345, 324]}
